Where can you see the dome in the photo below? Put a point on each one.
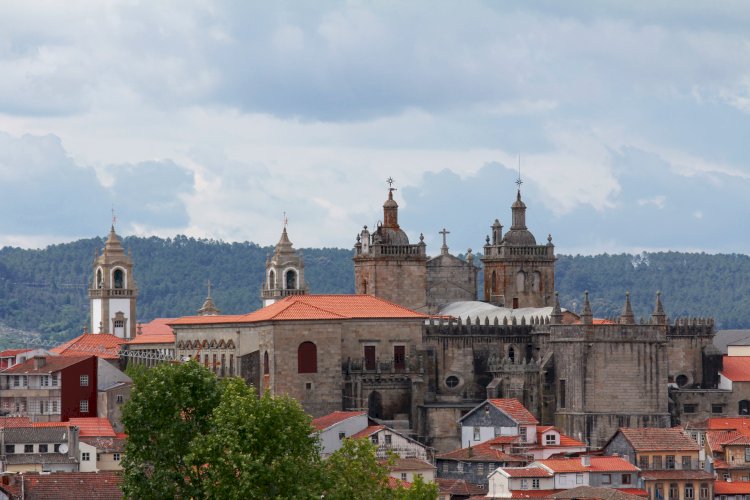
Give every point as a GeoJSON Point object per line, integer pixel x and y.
{"type": "Point", "coordinates": [391, 236]}
{"type": "Point", "coordinates": [390, 203]}
{"type": "Point", "coordinates": [519, 237]}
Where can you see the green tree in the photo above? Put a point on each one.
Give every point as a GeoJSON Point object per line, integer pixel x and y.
{"type": "Point", "coordinates": [257, 448]}
{"type": "Point", "coordinates": [169, 406]}
{"type": "Point", "coordinates": [353, 471]}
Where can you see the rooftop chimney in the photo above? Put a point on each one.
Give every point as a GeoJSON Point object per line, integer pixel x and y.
{"type": "Point", "coordinates": [586, 460]}
{"type": "Point", "coordinates": [39, 362]}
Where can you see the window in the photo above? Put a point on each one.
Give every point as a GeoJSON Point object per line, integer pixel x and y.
{"type": "Point", "coordinates": [606, 479]}
{"type": "Point", "coordinates": [480, 468]}
{"type": "Point", "coordinates": [374, 439]}
{"type": "Point", "coordinates": [579, 478]}
{"type": "Point", "coordinates": [643, 462]}
{"type": "Point", "coordinates": [511, 355]}
{"type": "Point", "coordinates": [656, 462]}
{"type": "Point", "coordinates": [550, 439]}
{"type": "Point", "coordinates": [535, 484]}
{"type": "Point", "coordinates": [674, 493]}
{"type": "Point", "coordinates": [403, 476]}
{"type": "Point", "coordinates": [476, 433]}
{"type": "Point", "coordinates": [747, 454]}
{"type": "Point", "coordinates": [266, 367]}
{"type": "Point", "coordinates": [43, 448]}
{"type": "Point", "coordinates": [116, 457]}
{"type": "Point", "coordinates": [55, 408]}
{"type": "Point", "coordinates": [691, 408]}
{"type": "Point", "coordinates": [291, 279]}
{"type": "Point", "coordinates": [626, 479]}
{"type": "Point", "coordinates": [10, 448]}
{"type": "Point", "coordinates": [28, 448]}
{"type": "Point", "coordinates": [459, 466]}
{"type": "Point", "coordinates": [704, 491]}
{"type": "Point", "coordinates": [342, 435]}
{"type": "Point", "coordinates": [659, 488]}
{"type": "Point", "coordinates": [84, 406]}
{"type": "Point", "coordinates": [452, 381]}
{"type": "Point", "coordinates": [561, 398]}
{"type": "Point", "coordinates": [85, 456]}
{"type": "Point", "coordinates": [387, 439]}
{"type": "Point", "coordinates": [44, 381]}
{"type": "Point", "coordinates": [16, 380]}
{"type": "Point", "coordinates": [689, 492]}
{"type": "Point", "coordinates": [399, 357]}
{"type": "Point", "coordinates": [307, 358]}
{"type": "Point", "coordinates": [670, 462]}
{"type": "Point", "coordinates": [56, 448]}
{"type": "Point", "coordinates": [120, 399]}
{"type": "Point", "coordinates": [370, 361]}
{"type": "Point", "coordinates": [84, 380]}
{"type": "Point", "coordinates": [687, 463]}
{"type": "Point", "coordinates": [522, 434]}
{"type": "Point", "coordinates": [308, 386]}
{"type": "Point", "coordinates": [524, 484]}
{"type": "Point", "coordinates": [717, 409]}
{"type": "Point", "coordinates": [55, 380]}
{"type": "Point", "coordinates": [118, 278]}
{"type": "Point", "coordinates": [25, 380]}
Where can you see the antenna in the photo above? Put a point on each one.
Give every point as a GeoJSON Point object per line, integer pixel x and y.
{"type": "Point", "coordinates": [286, 221]}
{"type": "Point", "coordinates": [114, 217]}
{"type": "Point", "coordinates": [519, 181]}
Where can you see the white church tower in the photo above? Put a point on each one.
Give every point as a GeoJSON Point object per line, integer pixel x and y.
{"type": "Point", "coordinates": [285, 272]}
{"type": "Point", "coordinates": [113, 291]}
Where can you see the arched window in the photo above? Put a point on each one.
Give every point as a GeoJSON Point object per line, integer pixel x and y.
{"type": "Point", "coordinates": [521, 281]}
{"type": "Point", "coordinates": [493, 285]}
{"type": "Point", "coordinates": [271, 280]}
{"type": "Point", "coordinates": [307, 358]}
{"type": "Point", "coordinates": [375, 405]}
{"type": "Point", "coordinates": [511, 354]}
{"type": "Point", "coordinates": [118, 278]}
{"type": "Point", "coordinates": [265, 363]}
{"type": "Point", "coordinates": [99, 279]}
{"type": "Point", "coordinates": [291, 279]}
{"type": "Point", "coordinates": [536, 282]}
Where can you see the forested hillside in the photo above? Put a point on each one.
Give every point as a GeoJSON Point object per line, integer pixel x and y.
{"type": "Point", "coordinates": [46, 290]}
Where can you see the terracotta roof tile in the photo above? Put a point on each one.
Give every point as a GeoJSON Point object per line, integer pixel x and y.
{"type": "Point", "coordinates": [93, 427]}
{"type": "Point", "coordinates": [14, 422]}
{"type": "Point", "coordinates": [488, 451]}
{"type": "Point", "coordinates": [676, 474]}
{"type": "Point", "coordinates": [156, 331]}
{"type": "Point", "coordinates": [102, 345]}
{"type": "Point", "coordinates": [733, 488]}
{"type": "Point", "coordinates": [12, 352]}
{"type": "Point", "coordinates": [599, 493]}
{"type": "Point", "coordinates": [525, 471]}
{"type": "Point", "coordinates": [659, 439]}
{"type": "Point", "coordinates": [369, 431]}
{"type": "Point", "coordinates": [52, 364]}
{"type": "Point", "coordinates": [313, 307]}
{"type": "Point", "coordinates": [410, 464]}
{"type": "Point", "coordinates": [717, 439]}
{"type": "Point", "coordinates": [326, 421]}
{"type": "Point", "coordinates": [739, 424]}
{"type": "Point", "coordinates": [736, 368]}
{"type": "Point", "coordinates": [532, 493]}
{"type": "Point", "coordinates": [459, 487]}
{"type": "Point", "coordinates": [515, 410]}
{"type": "Point", "coordinates": [394, 483]}
{"type": "Point", "coordinates": [598, 464]}
{"type": "Point", "coordinates": [89, 485]}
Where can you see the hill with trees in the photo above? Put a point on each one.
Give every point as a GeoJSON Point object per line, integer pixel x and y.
{"type": "Point", "coordinates": [45, 291]}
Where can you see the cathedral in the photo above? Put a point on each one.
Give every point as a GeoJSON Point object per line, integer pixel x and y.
{"type": "Point", "coordinates": [416, 349]}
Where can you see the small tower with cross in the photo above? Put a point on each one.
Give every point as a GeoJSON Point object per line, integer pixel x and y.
{"type": "Point", "coordinates": [113, 293]}
{"type": "Point", "coordinates": [450, 279]}
{"type": "Point", "coordinates": [285, 271]}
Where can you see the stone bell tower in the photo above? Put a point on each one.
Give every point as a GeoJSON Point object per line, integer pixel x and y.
{"type": "Point", "coordinates": [517, 271]}
{"type": "Point", "coordinates": [285, 272]}
{"type": "Point", "coordinates": [113, 293]}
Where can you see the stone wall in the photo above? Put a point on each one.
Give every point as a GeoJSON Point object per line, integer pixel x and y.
{"type": "Point", "coordinates": [399, 279]}
{"type": "Point", "coordinates": [450, 279]}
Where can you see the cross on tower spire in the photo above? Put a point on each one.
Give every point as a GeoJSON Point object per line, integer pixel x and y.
{"type": "Point", "coordinates": [286, 221]}
{"type": "Point", "coordinates": [390, 182]}
{"type": "Point", "coordinates": [114, 218]}
{"type": "Point", "coordinates": [519, 181]}
{"type": "Point", "coordinates": [444, 249]}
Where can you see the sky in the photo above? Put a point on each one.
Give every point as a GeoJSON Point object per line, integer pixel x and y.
{"type": "Point", "coordinates": [218, 119]}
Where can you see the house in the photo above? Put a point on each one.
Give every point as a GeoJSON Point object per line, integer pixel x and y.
{"type": "Point", "coordinates": [728, 455]}
{"type": "Point", "coordinates": [497, 417]}
{"type": "Point", "coordinates": [10, 357]}
{"type": "Point", "coordinates": [591, 492]}
{"type": "Point", "coordinates": [390, 441]}
{"type": "Point", "coordinates": [731, 490]}
{"type": "Point", "coordinates": [101, 448]}
{"type": "Point", "coordinates": [678, 484]}
{"type": "Point", "coordinates": [697, 429]}
{"type": "Point", "coordinates": [458, 489]}
{"type": "Point", "coordinates": [408, 469]}
{"type": "Point", "coordinates": [101, 345]}
{"type": "Point", "coordinates": [335, 427]}
{"type": "Point", "coordinates": [154, 341]}
{"type": "Point", "coordinates": [550, 441]}
{"type": "Point", "coordinates": [545, 477]}
{"type": "Point", "coordinates": [51, 388]}
{"type": "Point", "coordinates": [113, 390]}
{"type": "Point", "coordinates": [47, 447]}
{"type": "Point", "coordinates": [475, 463]}
{"type": "Point", "coordinates": [62, 485]}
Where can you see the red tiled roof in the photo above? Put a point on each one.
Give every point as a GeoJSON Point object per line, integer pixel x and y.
{"type": "Point", "coordinates": [739, 424]}
{"type": "Point", "coordinates": [488, 451]}
{"type": "Point", "coordinates": [12, 352]}
{"type": "Point", "coordinates": [369, 431]}
{"type": "Point", "coordinates": [598, 464]}
{"type": "Point", "coordinates": [733, 488]}
{"type": "Point", "coordinates": [89, 485]}
{"type": "Point", "coordinates": [14, 422]}
{"type": "Point", "coordinates": [676, 474]}
{"type": "Point", "coordinates": [156, 331]}
{"type": "Point", "coordinates": [717, 439]}
{"type": "Point", "coordinates": [326, 421]}
{"type": "Point", "coordinates": [736, 368]}
{"type": "Point", "coordinates": [565, 441]}
{"type": "Point", "coordinates": [313, 307]}
{"type": "Point", "coordinates": [394, 483]}
{"type": "Point", "coordinates": [49, 424]}
{"type": "Point", "coordinates": [532, 493]}
{"type": "Point", "coordinates": [515, 410]}
{"type": "Point", "coordinates": [659, 439]}
{"type": "Point", "coordinates": [93, 427]}
{"type": "Point", "coordinates": [410, 464]}
{"type": "Point", "coordinates": [634, 491]}
{"type": "Point", "coordinates": [52, 364]}
{"type": "Point", "coordinates": [525, 471]}
{"type": "Point", "coordinates": [720, 464]}
{"type": "Point", "coordinates": [102, 345]}
{"type": "Point", "coordinates": [458, 487]}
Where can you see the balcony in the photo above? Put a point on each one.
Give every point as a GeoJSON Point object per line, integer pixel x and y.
{"type": "Point", "coordinates": [280, 292]}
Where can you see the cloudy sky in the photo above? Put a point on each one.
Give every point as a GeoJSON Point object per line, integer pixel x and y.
{"type": "Point", "coordinates": [212, 119]}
